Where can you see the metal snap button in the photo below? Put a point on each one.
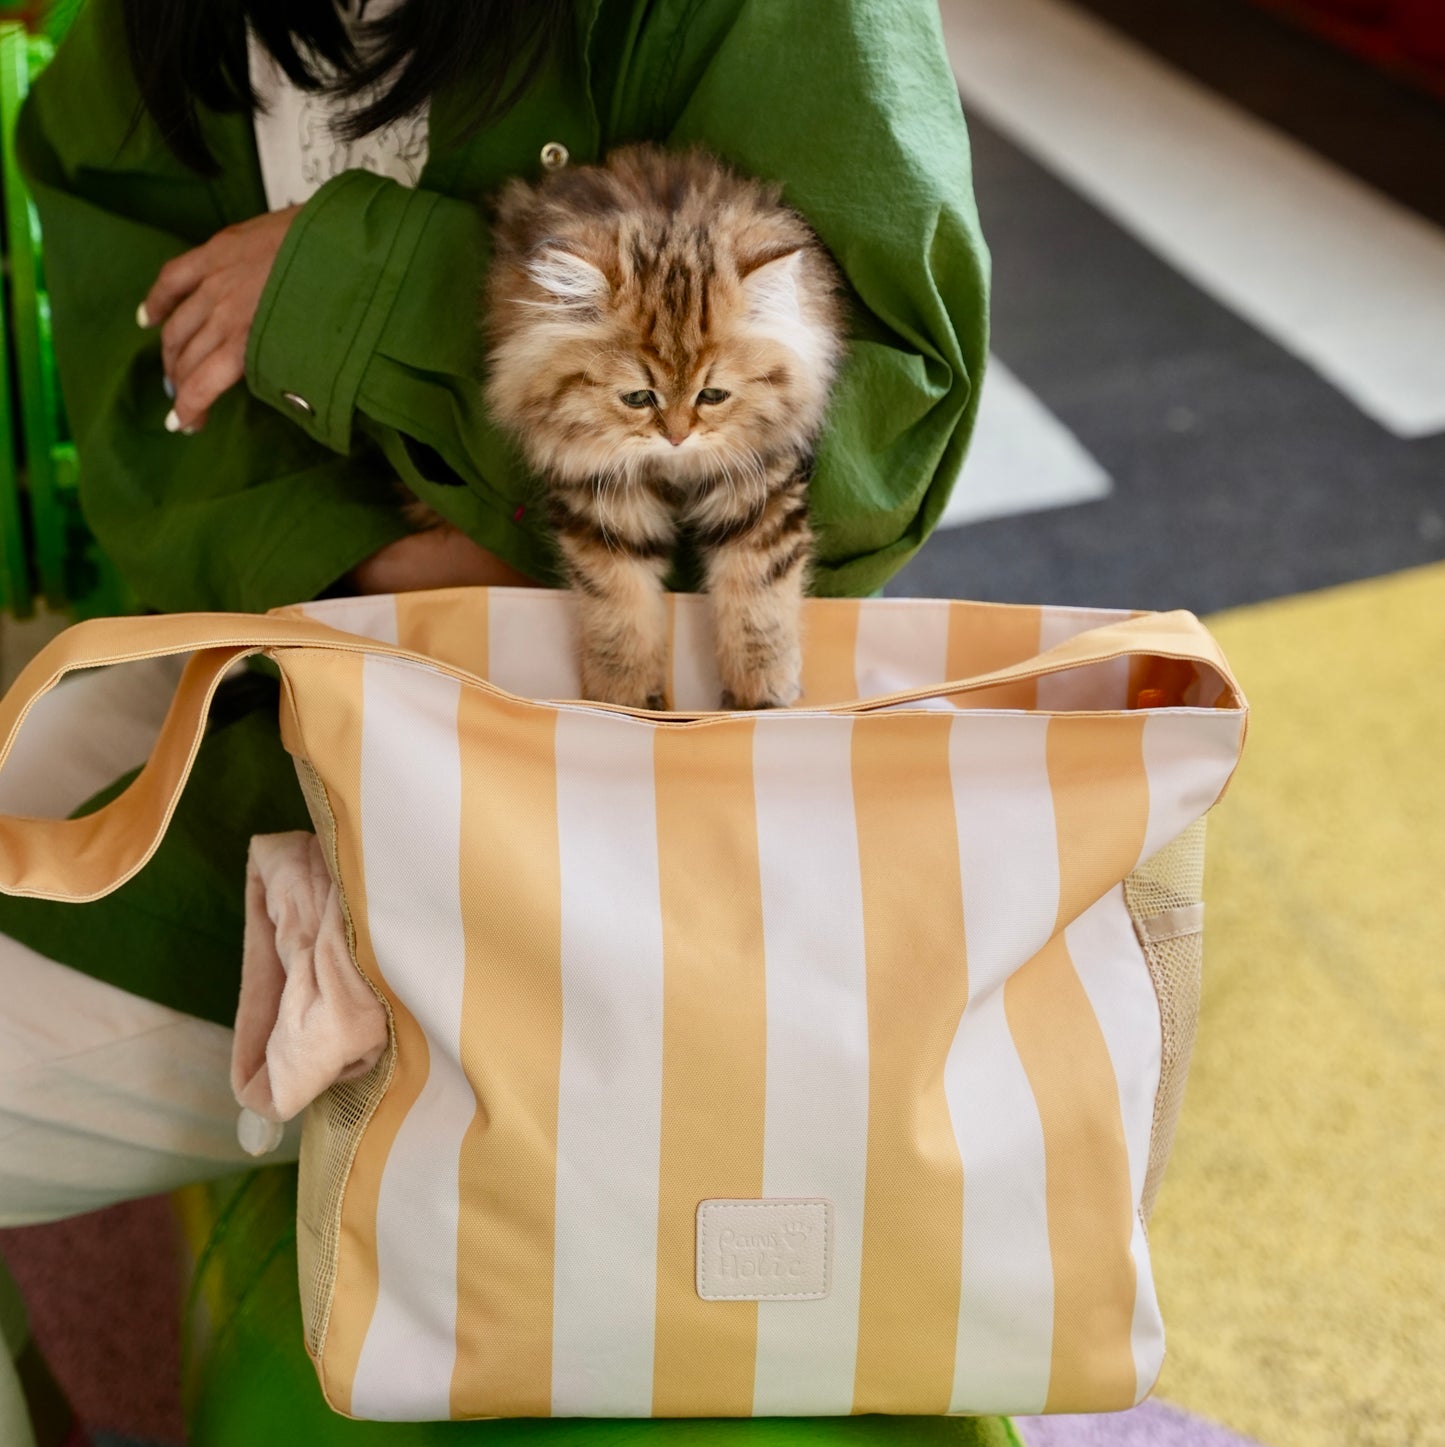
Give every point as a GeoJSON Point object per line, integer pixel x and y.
{"type": "Point", "coordinates": [555, 155]}
{"type": "Point", "coordinates": [299, 403]}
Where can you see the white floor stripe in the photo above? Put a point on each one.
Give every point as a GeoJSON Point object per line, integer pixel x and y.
{"type": "Point", "coordinates": [411, 833]}
{"type": "Point", "coordinates": [1329, 268]}
{"type": "Point", "coordinates": [1008, 856]}
{"type": "Point", "coordinates": [1022, 458]}
{"type": "Point", "coordinates": [610, 1100]}
{"type": "Point", "coordinates": [816, 1114]}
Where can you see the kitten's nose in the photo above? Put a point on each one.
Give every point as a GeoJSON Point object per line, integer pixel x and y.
{"type": "Point", "coordinates": [676, 423]}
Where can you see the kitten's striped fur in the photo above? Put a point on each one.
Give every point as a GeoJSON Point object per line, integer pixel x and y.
{"type": "Point", "coordinates": [668, 275]}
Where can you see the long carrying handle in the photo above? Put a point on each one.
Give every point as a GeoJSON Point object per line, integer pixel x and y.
{"type": "Point", "coordinates": [83, 859]}
{"type": "Point", "coordinates": [1178, 635]}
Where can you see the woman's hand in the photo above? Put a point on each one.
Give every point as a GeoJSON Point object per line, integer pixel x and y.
{"type": "Point", "coordinates": [440, 557]}
{"type": "Point", "coordinates": [204, 302]}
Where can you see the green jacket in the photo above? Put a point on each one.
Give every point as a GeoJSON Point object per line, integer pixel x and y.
{"type": "Point", "coordinates": [370, 315]}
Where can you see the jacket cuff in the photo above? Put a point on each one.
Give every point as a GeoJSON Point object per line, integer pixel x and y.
{"type": "Point", "coordinates": [327, 299]}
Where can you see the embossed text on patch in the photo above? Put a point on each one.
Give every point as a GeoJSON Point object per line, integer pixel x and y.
{"type": "Point", "coordinates": [776, 1250]}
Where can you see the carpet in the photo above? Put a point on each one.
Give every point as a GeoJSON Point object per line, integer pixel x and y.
{"type": "Point", "coordinates": [1152, 1425]}
{"type": "Point", "coordinates": [1297, 1238]}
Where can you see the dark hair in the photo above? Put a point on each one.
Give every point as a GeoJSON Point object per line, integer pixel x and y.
{"type": "Point", "coordinates": [191, 53]}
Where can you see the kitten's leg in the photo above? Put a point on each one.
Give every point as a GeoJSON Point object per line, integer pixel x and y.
{"type": "Point", "coordinates": [757, 570]}
{"type": "Point", "coordinates": [616, 571]}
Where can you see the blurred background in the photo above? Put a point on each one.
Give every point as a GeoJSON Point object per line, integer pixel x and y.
{"type": "Point", "coordinates": [1218, 383]}
{"type": "Point", "coordinates": [1218, 231]}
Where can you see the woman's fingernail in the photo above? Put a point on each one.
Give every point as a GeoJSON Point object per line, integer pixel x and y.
{"type": "Point", "coordinates": [142, 316]}
{"type": "Point", "coordinates": [169, 387]}
{"type": "Point", "coordinates": [173, 423]}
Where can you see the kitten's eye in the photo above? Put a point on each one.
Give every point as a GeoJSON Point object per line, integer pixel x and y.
{"type": "Point", "coordinates": [640, 399]}
{"type": "Point", "coordinates": [713, 395]}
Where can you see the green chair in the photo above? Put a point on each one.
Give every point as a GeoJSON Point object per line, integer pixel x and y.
{"type": "Point", "coordinates": [58, 16]}
{"type": "Point", "coordinates": [70, 572]}
{"type": "Point", "coordinates": [16, 594]}
{"type": "Point", "coordinates": [248, 1379]}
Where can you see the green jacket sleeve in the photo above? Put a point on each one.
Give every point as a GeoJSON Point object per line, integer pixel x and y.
{"type": "Point", "coordinates": [370, 314]}
{"type": "Point", "coordinates": [251, 512]}
{"type": "Point", "coordinates": [852, 106]}
{"type": "Point", "coordinates": [371, 317]}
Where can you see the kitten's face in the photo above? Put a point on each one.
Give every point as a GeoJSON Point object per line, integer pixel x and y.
{"type": "Point", "coordinates": [666, 356]}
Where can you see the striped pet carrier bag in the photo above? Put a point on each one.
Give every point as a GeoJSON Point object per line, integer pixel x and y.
{"type": "Point", "coordinates": [812, 1062]}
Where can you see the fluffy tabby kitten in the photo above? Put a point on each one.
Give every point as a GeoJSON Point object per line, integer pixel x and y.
{"type": "Point", "coordinates": [663, 336]}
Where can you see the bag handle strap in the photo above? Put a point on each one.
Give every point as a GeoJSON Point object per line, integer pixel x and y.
{"type": "Point", "coordinates": [1177, 635]}
{"type": "Point", "coordinates": [83, 859]}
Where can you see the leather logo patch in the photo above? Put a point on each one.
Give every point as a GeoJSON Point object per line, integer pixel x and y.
{"type": "Point", "coordinates": [779, 1250]}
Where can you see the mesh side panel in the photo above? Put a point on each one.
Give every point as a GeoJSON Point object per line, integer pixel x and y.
{"type": "Point", "coordinates": [333, 1125]}
{"type": "Point", "coordinates": [1176, 966]}
{"type": "Point", "coordinates": [330, 1135]}
{"type": "Point", "coordinates": [1173, 878]}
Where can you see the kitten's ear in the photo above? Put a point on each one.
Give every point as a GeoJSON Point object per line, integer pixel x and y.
{"type": "Point", "coordinates": [770, 284]}
{"type": "Point", "coordinates": [568, 278]}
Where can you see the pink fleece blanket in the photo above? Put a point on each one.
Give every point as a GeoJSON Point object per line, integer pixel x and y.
{"type": "Point", "coordinates": [306, 1017]}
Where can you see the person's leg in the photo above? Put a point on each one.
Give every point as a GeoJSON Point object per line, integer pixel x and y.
{"type": "Point", "coordinates": [103, 1095]}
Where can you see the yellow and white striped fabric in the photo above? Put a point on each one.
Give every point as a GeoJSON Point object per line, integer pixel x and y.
{"type": "Point", "coordinates": [873, 952]}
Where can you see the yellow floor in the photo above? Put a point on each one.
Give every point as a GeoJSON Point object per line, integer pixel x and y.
{"type": "Point", "coordinates": [1300, 1236]}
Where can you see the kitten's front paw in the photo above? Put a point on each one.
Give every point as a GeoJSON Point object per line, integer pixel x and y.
{"type": "Point", "coordinates": [625, 690]}
{"type": "Point", "coordinates": [763, 691]}
{"type": "Point", "coordinates": [733, 704]}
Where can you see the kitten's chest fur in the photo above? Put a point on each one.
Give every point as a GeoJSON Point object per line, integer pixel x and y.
{"type": "Point", "coordinates": [697, 506]}
{"type": "Point", "coordinates": [663, 339]}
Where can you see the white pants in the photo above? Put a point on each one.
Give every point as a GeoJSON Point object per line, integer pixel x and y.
{"type": "Point", "coordinates": [104, 1096]}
